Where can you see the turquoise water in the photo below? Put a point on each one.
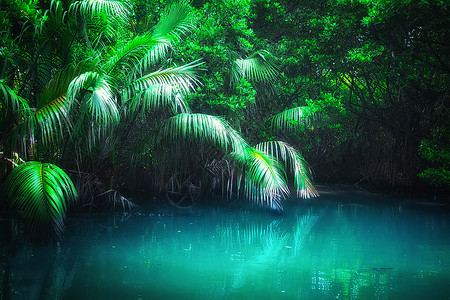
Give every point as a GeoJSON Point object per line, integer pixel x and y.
{"type": "Point", "coordinates": [343, 245]}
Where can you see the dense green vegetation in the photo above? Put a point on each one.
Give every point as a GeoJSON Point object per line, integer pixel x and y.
{"type": "Point", "coordinates": [221, 98]}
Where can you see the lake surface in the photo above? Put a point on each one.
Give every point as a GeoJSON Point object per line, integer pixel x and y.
{"type": "Point", "coordinates": [344, 245]}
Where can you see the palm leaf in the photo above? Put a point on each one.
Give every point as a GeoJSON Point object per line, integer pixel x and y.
{"type": "Point", "coordinates": [258, 67]}
{"type": "Point", "coordinates": [41, 191]}
{"type": "Point", "coordinates": [183, 78]}
{"type": "Point", "coordinates": [14, 113]}
{"type": "Point", "coordinates": [174, 20]}
{"type": "Point", "coordinates": [155, 97]}
{"type": "Point", "coordinates": [9, 100]}
{"type": "Point", "coordinates": [141, 51]}
{"type": "Point", "coordinates": [51, 118]}
{"type": "Point", "coordinates": [53, 107]}
{"type": "Point", "coordinates": [92, 8]}
{"type": "Point", "coordinates": [264, 179]}
{"type": "Point", "coordinates": [203, 127]}
{"type": "Point", "coordinates": [162, 88]}
{"type": "Point", "coordinates": [101, 102]}
{"type": "Point", "coordinates": [285, 120]}
{"type": "Point", "coordinates": [295, 163]}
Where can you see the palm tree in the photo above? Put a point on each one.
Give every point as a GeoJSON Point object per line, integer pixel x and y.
{"type": "Point", "coordinates": [104, 100]}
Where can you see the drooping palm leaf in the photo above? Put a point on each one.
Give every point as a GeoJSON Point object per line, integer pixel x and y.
{"type": "Point", "coordinates": [81, 83]}
{"type": "Point", "coordinates": [41, 192]}
{"type": "Point", "coordinates": [203, 127]}
{"type": "Point", "coordinates": [101, 100]}
{"type": "Point", "coordinates": [102, 104]}
{"type": "Point", "coordinates": [285, 120]}
{"type": "Point", "coordinates": [293, 162]}
{"type": "Point", "coordinates": [52, 118]}
{"type": "Point", "coordinates": [258, 67]}
{"type": "Point", "coordinates": [14, 111]}
{"type": "Point", "coordinates": [174, 21]}
{"type": "Point", "coordinates": [53, 106]}
{"type": "Point", "coordinates": [57, 87]}
{"type": "Point", "coordinates": [155, 97]}
{"type": "Point", "coordinates": [265, 181]}
{"type": "Point", "coordinates": [9, 100]}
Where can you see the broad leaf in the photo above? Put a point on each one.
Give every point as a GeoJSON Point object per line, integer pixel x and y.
{"type": "Point", "coordinates": [41, 192]}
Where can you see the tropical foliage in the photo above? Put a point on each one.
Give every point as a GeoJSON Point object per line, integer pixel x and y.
{"type": "Point", "coordinates": [92, 87]}
{"type": "Point", "coordinates": [217, 99]}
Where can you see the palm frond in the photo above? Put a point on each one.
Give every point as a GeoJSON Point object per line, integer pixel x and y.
{"type": "Point", "coordinates": [295, 163]}
{"type": "Point", "coordinates": [174, 20]}
{"type": "Point", "coordinates": [52, 113]}
{"type": "Point", "coordinates": [13, 111]}
{"type": "Point", "coordinates": [140, 51]}
{"type": "Point", "coordinates": [92, 8]}
{"type": "Point", "coordinates": [154, 54]}
{"type": "Point", "coordinates": [258, 67]}
{"type": "Point", "coordinates": [51, 119]}
{"type": "Point", "coordinates": [11, 101]}
{"type": "Point", "coordinates": [155, 97]}
{"type": "Point", "coordinates": [101, 102]}
{"type": "Point", "coordinates": [80, 83]}
{"type": "Point", "coordinates": [59, 85]}
{"type": "Point", "coordinates": [285, 120]}
{"type": "Point", "coordinates": [265, 181]}
{"type": "Point", "coordinates": [203, 127]}
{"type": "Point", "coordinates": [41, 191]}
{"type": "Point", "coordinates": [183, 78]}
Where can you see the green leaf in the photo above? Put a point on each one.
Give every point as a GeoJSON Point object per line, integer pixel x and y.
{"type": "Point", "coordinates": [41, 192]}
{"type": "Point", "coordinates": [174, 20]}
{"type": "Point", "coordinates": [101, 102]}
{"type": "Point", "coordinates": [258, 67]}
{"type": "Point", "coordinates": [13, 102]}
{"type": "Point", "coordinates": [203, 127]}
{"type": "Point", "coordinates": [94, 8]}
{"type": "Point", "coordinates": [265, 181]}
{"type": "Point", "coordinates": [183, 78]}
{"type": "Point", "coordinates": [295, 163]}
{"type": "Point", "coordinates": [283, 121]}
{"type": "Point", "coordinates": [140, 52]}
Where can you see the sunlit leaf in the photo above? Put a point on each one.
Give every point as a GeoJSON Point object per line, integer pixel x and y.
{"type": "Point", "coordinates": [41, 192]}
{"type": "Point", "coordinates": [293, 162]}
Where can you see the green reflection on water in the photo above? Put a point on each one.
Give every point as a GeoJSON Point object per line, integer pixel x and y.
{"type": "Point", "coordinates": [328, 248]}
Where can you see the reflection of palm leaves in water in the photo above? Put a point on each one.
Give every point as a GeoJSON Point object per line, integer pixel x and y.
{"type": "Point", "coordinates": [273, 243]}
{"type": "Point", "coordinates": [304, 225]}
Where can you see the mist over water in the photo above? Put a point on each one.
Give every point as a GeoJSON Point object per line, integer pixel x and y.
{"type": "Point", "coordinates": [346, 244]}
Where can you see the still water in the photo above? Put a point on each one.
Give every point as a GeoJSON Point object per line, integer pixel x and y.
{"type": "Point", "coordinates": [343, 245]}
